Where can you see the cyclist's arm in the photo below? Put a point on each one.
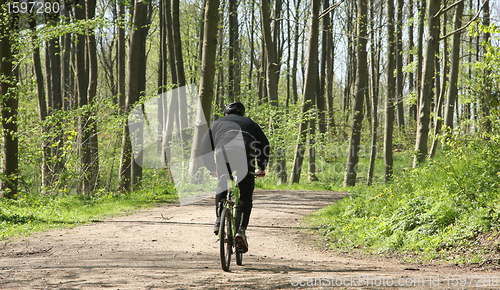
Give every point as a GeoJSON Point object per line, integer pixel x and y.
{"type": "Point", "coordinates": [207, 152]}
{"type": "Point", "coordinates": [263, 157]}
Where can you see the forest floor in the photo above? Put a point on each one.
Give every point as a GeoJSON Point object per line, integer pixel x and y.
{"type": "Point", "coordinates": [173, 247]}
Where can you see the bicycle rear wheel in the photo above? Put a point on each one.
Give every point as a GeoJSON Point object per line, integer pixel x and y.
{"type": "Point", "coordinates": [226, 239]}
{"type": "Point", "coordinates": [239, 257]}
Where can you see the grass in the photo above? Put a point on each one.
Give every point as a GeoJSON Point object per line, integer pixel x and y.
{"type": "Point", "coordinates": [38, 212]}
{"type": "Point", "coordinates": [438, 211]}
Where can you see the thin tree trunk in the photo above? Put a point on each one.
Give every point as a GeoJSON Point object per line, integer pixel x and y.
{"type": "Point", "coordinates": [437, 113]}
{"type": "Point", "coordinates": [207, 74]}
{"type": "Point", "coordinates": [427, 93]}
{"type": "Point", "coordinates": [252, 45]}
{"type": "Point", "coordinates": [411, 75]}
{"type": "Point", "coordinates": [455, 66]}
{"type": "Point", "coordinates": [389, 99]}
{"type": "Point", "coordinates": [42, 110]}
{"type": "Point", "coordinates": [272, 79]}
{"type": "Point", "coordinates": [330, 78]}
{"type": "Point", "coordinates": [54, 93]}
{"type": "Point", "coordinates": [121, 58]}
{"type": "Point", "coordinates": [361, 88]}
{"type": "Point", "coordinates": [10, 164]}
{"type": "Point", "coordinates": [295, 93]}
{"type": "Point", "coordinates": [312, 138]}
{"type": "Point", "coordinates": [310, 89]}
{"type": "Point", "coordinates": [179, 66]}
{"type": "Point", "coordinates": [350, 63]}
{"type": "Point", "coordinates": [437, 82]}
{"type": "Point", "coordinates": [136, 85]}
{"type": "Point", "coordinates": [91, 94]}
{"type": "Point", "coordinates": [288, 59]}
{"type": "Point", "coordinates": [399, 65]}
{"type": "Point", "coordinates": [485, 109]}
{"type": "Point", "coordinates": [375, 75]}
{"type": "Point", "coordinates": [233, 49]}
{"type": "Point", "coordinates": [420, 49]}
{"type": "Point", "coordinates": [82, 80]}
{"type": "Point", "coordinates": [66, 90]}
{"type": "Point", "coordinates": [220, 88]}
{"type": "Point", "coordinates": [162, 63]}
{"type": "Point", "coordinates": [322, 110]}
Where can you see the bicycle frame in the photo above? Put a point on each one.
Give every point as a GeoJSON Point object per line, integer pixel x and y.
{"type": "Point", "coordinates": [232, 191]}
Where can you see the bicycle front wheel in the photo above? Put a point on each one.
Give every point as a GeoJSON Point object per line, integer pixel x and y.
{"type": "Point", "coordinates": [226, 239]}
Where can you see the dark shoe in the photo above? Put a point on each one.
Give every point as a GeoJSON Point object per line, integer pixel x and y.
{"type": "Point", "coordinates": [241, 241]}
{"type": "Point", "coordinates": [217, 226]}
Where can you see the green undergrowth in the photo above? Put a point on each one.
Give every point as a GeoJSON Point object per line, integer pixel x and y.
{"type": "Point", "coordinates": [438, 211]}
{"type": "Point", "coordinates": [37, 212]}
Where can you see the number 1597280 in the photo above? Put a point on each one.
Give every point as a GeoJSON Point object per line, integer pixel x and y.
{"type": "Point", "coordinates": [33, 7]}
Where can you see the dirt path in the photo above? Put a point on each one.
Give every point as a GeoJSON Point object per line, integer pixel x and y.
{"type": "Point", "coordinates": [173, 247]}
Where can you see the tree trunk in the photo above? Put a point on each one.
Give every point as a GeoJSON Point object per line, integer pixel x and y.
{"type": "Point", "coordinates": [330, 78]}
{"type": "Point", "coordinates": [485, 109]}
{"type": "Point", "coordinates": [310, 89]}
{"type": "Point", "coordinates": [207, 74]}
{"type": "Point", "coordinates": [82, 81]}
{"type": "Point", "coordinates": [121, 58]}
{"type": "Point", "coordinates": [437, 113]}
{"type": "Point", "coordinates": [361, 88]}
{"type": "Point", "coordinates": [288, 59]}
{"type": "Point", "coordinates": [426, 92]}
{"type": "Point", "coordinates": [173, 105]}
{"type": "Point", "coordinates": [179, 66]}
{"type": "Point", "coordinates": [91, 94]}
{"type": "Point", "coordinates": [296, 36]}
{"type": "Point", "coordinates": [325, 49]}
{"type": "Point", "coordinates": [411, 75]}
{"type": "Point", "coordinates": [272, 78]}
{"type": "Point", "coordinates": [389, 99]}
{"type": "Point", "coordinates": [233, 51]}
{"type": "Point", "coordinates": [53, 69]}
{"type": "Point", "coordinates": [272, 61]}
{"type": "Point", "coordinates": [350, 63]}
{"type": "Point", "coordinates": [375, 75]}
{"type": "Point", "coordinates": [399, 66]}
{"type": "Point", "coordinates": [220, 89]}
{"type": "Point", "coordinates": [42, 109]}
{"type": "Point", "coordinates": [162, 65]}
{"type": "Point", "coordinates": [252, 45]}
{"type": "Point", "coordinates": [455, 66]}
{"type": "Point", "coordinates": [136, 85]}
{"type": "Point", "coordinates": [10, 164]}
{"type": "Point", "coordinates": [312, 135]}
{"type": "Point", "coordinates": [66, 75]}
{"type": "Point", "coordinates": [420, 49]}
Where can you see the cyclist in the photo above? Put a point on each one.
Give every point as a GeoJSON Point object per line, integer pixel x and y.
{"type": "Point", "coordinates": [244, 144]}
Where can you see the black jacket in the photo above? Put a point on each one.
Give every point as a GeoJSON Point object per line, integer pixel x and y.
{"type": "Point", "coordinates": [225, 129]}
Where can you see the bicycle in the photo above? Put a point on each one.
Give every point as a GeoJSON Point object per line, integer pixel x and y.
{"type": "Point", "coordinates": [229, 225]}
{"type": "Point", "coordinates": [230, 219]}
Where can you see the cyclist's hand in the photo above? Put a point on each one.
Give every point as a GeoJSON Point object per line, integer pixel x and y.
{"type": "Point", "coordinates": [260, 173]}
{"type": "Point", "coordinates": [213, 174]}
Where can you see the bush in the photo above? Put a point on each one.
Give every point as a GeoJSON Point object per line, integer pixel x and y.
{"type": "Point", "coordinates": [427, 210]}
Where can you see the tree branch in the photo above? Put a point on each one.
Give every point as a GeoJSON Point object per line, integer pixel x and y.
{"type": "Point", "coordinates": [329, 9]}
{"type": "Point", "coordinates": [445, 9]}
{"type": "Point", "coordinates": [466, 25]}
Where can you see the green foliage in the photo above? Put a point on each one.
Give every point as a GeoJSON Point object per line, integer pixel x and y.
{"type": "Point", "coordinates": [35, 212]}
{"type": "Point", "coordinates": [430, 210]}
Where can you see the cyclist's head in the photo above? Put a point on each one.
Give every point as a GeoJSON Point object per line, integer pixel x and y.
{"type": "Point", "coordinates": [235, 108]}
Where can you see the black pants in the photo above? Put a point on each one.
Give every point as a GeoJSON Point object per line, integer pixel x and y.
{"type": "Point", "coordinates": [246, 185]}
